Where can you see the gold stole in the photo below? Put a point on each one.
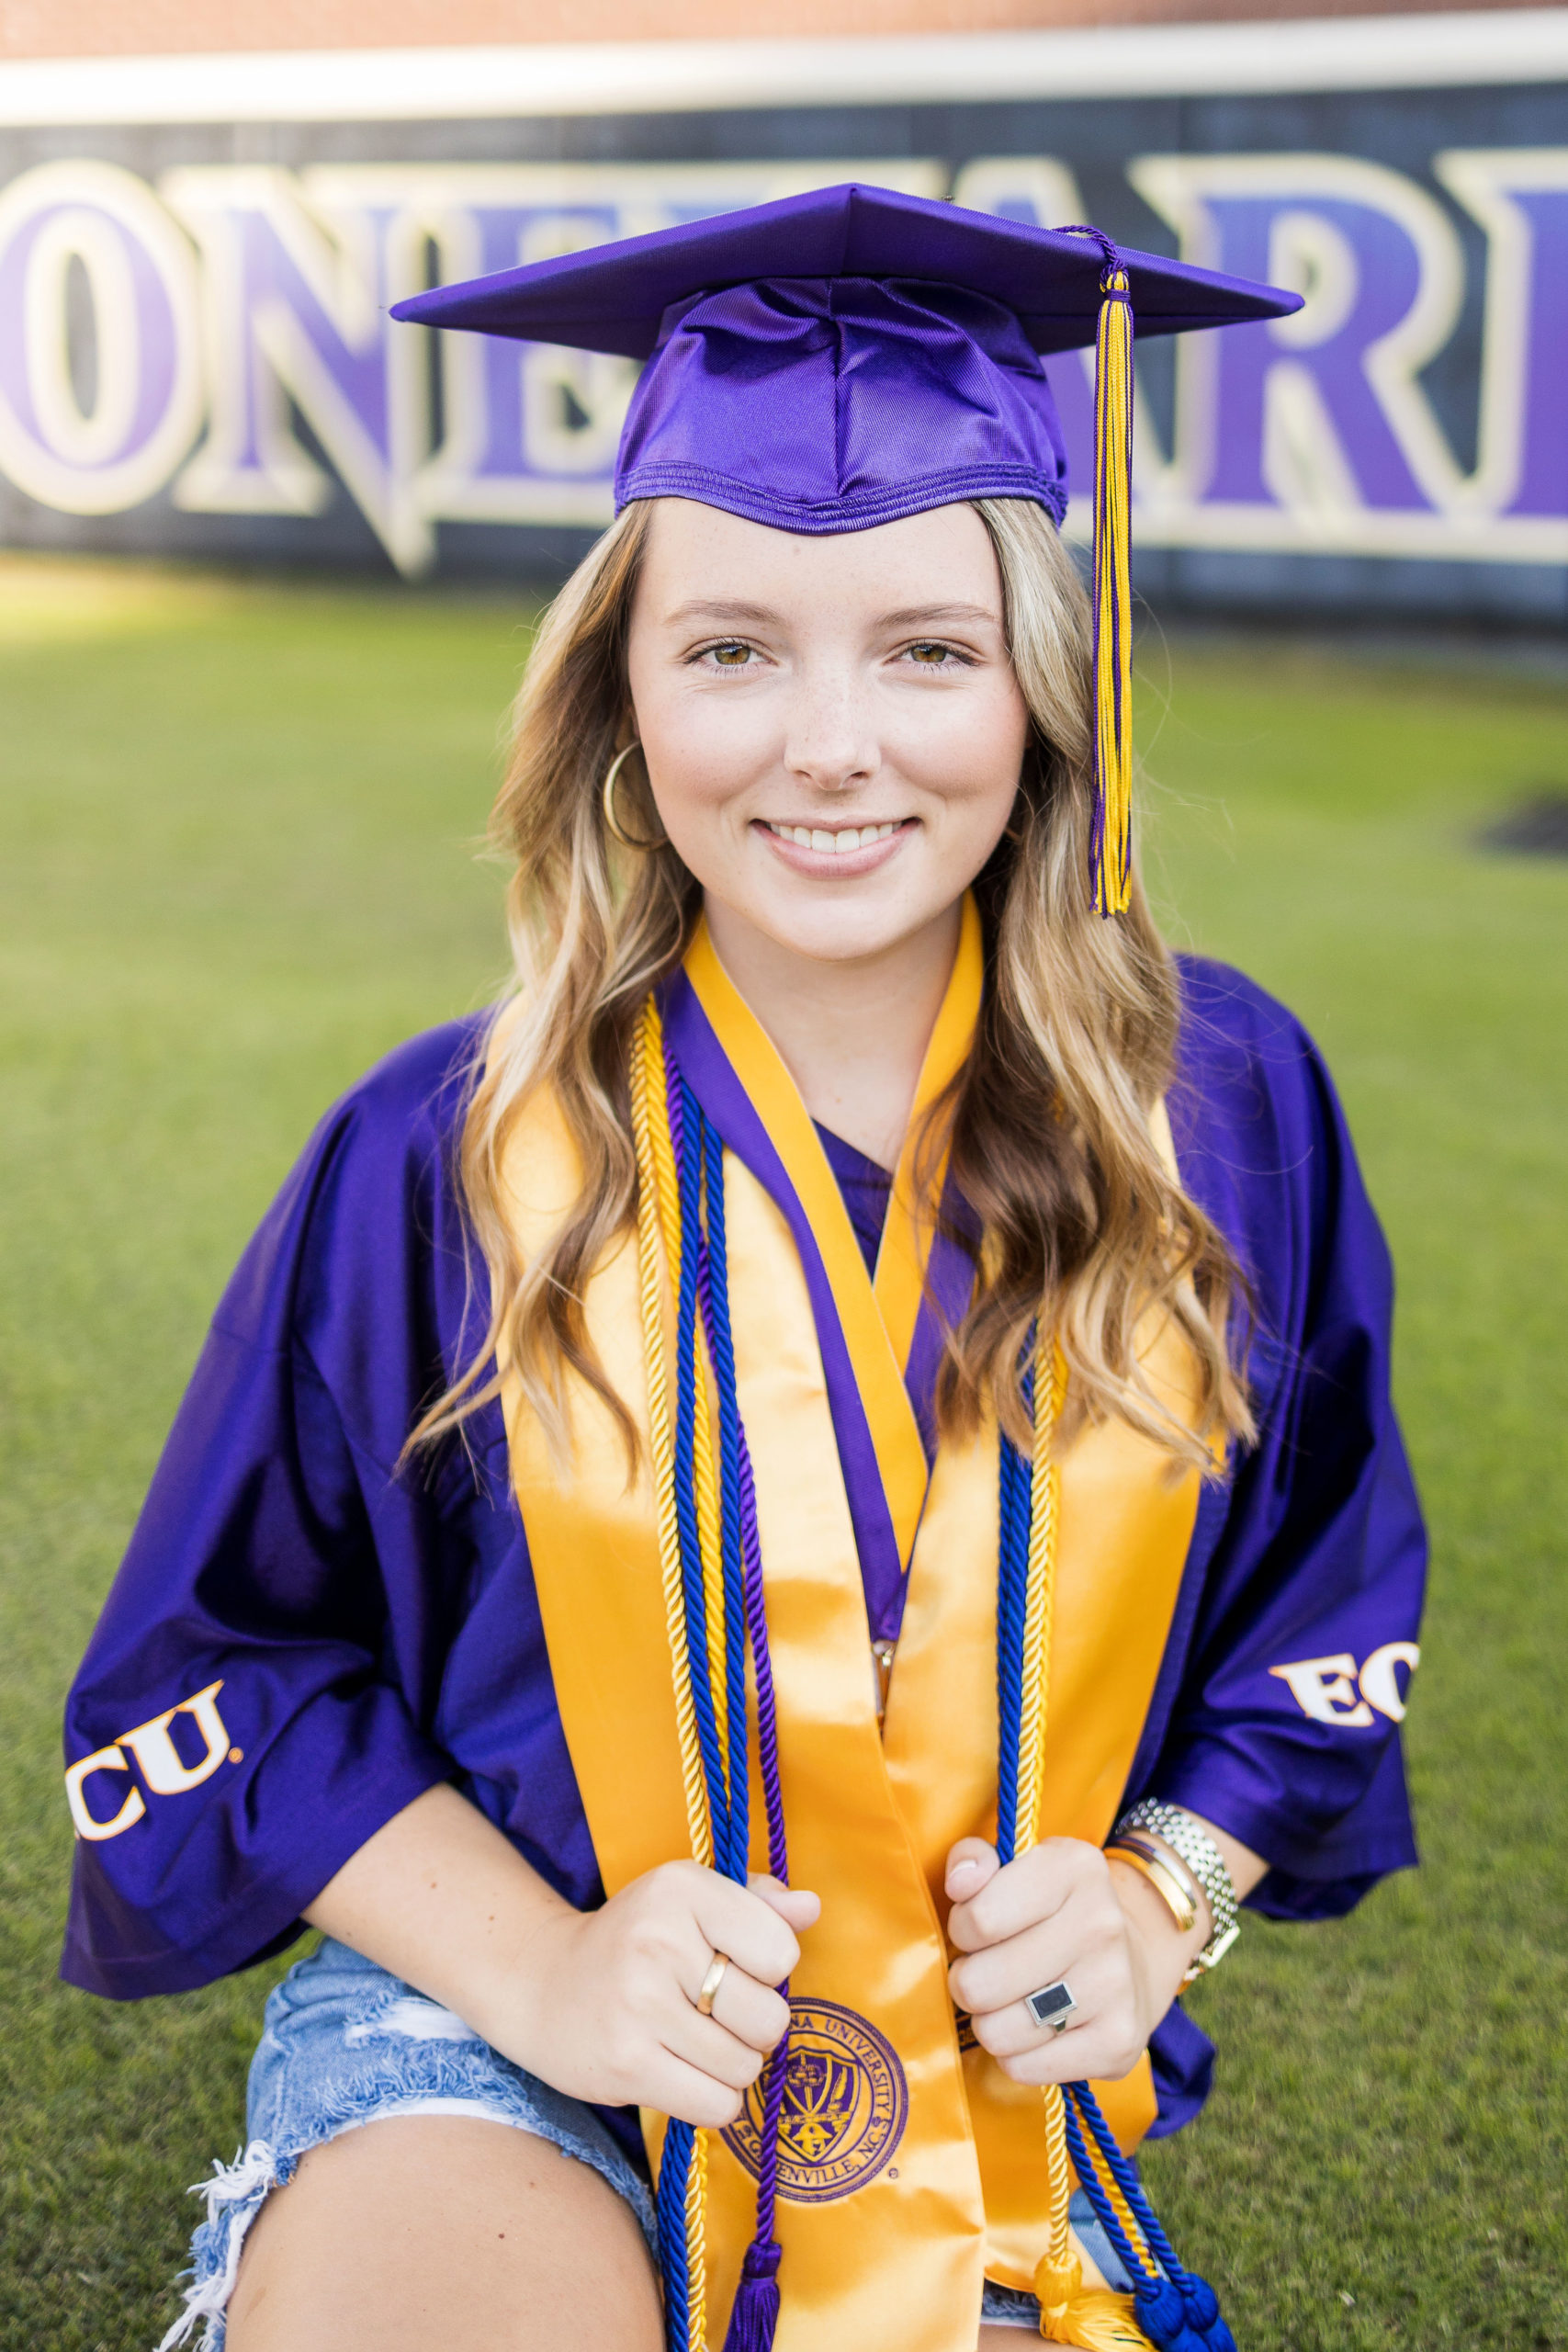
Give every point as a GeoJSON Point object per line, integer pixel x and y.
{"type": "Point", "coordinates": [912, 2169]}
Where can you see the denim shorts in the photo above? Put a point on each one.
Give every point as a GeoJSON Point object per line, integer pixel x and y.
{"type": "Point", "coordinates": [344, 2043]}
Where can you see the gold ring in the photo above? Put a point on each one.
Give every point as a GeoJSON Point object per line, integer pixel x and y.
{"type": "Point", "coordinates": [707, 1993]}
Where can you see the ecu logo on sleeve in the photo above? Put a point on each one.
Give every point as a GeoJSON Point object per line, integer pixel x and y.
{"type": "Point", "coordinates": [165, 1771]}
{"type": "Point", "coordinates": [845, 2105]}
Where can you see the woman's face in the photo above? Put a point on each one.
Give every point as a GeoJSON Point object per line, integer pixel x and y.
{"type": "Point", "coordinates": [832, 727]}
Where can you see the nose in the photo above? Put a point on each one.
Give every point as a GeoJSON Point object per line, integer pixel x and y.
{"type": "Point", "coordinates": [830, 741]}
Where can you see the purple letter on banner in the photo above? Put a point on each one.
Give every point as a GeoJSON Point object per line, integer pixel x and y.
{"type": "Point", "coordinates": [1331, 395]}
{"type": "Point", "coordinates": [95, 425]}
{"type": "Point", "coordinates": [1520, 198]}
{"type": "Point", "coordinates": [296, 303]}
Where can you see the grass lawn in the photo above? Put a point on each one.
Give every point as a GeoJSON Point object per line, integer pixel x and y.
{"type": "Point", "coordinates": [235, 868]}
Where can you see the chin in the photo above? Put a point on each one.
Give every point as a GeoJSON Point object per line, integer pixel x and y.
{"type": "Point", "coordinates": [835, 932]}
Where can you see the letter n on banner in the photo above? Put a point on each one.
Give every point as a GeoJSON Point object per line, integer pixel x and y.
{"type": "Point", "coordinates": [294, 301]}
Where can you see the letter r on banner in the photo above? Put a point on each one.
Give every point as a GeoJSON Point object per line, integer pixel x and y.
{"type": "Point", "coordinates": [1323, 410]}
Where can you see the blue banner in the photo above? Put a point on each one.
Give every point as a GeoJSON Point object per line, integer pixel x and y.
{"type": "Point", "coordinates": [196, 356]}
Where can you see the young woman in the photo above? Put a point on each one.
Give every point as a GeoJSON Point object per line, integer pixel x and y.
{"type": "Point", "coordinates": [862, 1383]}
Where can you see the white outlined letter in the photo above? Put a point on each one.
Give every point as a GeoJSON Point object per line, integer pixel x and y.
{"type": "Point", "coordinates": [103, 1759]}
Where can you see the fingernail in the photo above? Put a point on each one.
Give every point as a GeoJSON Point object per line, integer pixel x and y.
{"type": "Point", "coordinates": [960, 1874]}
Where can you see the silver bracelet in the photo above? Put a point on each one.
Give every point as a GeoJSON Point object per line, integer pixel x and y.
{"type": "Point", "coordinates": [1203, 1859]}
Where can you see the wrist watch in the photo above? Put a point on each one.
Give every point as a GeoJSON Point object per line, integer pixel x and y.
{"type": "Point", "coordinates": [1193, 1845]}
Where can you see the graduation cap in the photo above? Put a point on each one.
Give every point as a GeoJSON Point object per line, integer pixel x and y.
{"type": "Point", "coordinates": [848, 356]}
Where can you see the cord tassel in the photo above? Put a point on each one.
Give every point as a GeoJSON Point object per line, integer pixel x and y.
{"type": "Point", "coordinates": [754, 2315]}
{"type": "Point", "coordinates": [1093, 2318]}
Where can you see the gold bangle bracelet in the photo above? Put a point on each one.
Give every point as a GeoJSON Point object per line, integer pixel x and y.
{"type": "Point", "coordinates": [1164, 1882]}
{"type": "Point", "coordinates": [1161, 1851]}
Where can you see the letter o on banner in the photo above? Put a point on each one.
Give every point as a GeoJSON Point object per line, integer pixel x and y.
{"type": "Point", "coordinates": [90, 239]}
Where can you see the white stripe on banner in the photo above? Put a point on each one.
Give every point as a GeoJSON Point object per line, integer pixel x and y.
{"type": "Point", "coordinates": [1467, 47]}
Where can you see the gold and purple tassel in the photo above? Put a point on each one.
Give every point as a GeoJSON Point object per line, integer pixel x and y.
{"type": "Point", "coordinates": [1111, 846]}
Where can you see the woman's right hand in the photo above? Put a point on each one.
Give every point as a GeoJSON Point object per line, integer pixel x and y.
{"type": "Point", "coordinates": [599, 2003]}
{"type": "Point", "coordinates": [602, 2004]}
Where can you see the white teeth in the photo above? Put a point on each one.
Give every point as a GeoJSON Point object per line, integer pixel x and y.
{"type": "Point", "coordinates": [836, 844]}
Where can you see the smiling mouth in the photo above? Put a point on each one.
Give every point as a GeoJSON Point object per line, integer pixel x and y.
{"type": "Point", "coordinates": [838, 843]}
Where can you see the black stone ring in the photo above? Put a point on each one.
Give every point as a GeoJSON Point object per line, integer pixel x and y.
{"type": "Point", "coordinates": [1052, 2006]}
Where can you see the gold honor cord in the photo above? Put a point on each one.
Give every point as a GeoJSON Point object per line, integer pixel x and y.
{"type": "Point", "coordinates": [650, 1129]}
{"type": "Point", "coordinates": [657, 1193]}
{"type": "Point", "coordinates": [1091, 2317]}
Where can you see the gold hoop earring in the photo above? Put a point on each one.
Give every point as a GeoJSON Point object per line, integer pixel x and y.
{"type": "Point", "coordinates": [613, 823]}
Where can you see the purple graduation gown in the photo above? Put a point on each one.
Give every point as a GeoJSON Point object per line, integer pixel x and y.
{"type": "Point", "coordinates": [375, 1635]}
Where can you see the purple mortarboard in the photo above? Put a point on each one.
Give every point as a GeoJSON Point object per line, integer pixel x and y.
{"type": "Point", "coordinates": [846, 357]}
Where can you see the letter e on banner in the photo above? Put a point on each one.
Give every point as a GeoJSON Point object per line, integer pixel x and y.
{"type": "Point", "coordinates": [100, 373]}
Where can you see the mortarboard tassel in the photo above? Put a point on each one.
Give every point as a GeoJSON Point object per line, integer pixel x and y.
{"type": "Point", "coordinates": [1110, 848]}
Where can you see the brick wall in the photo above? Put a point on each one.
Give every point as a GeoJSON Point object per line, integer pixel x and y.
{"type": "Point", "coordinates": [109, 28]}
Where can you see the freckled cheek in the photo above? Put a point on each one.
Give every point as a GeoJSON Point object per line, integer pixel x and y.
{"type": "Point", "coordinates": [699, 778]}
{"type": "Point", "coordinates": [967, 759]}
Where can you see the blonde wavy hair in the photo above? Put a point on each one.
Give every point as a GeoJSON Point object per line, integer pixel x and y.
{"type": "Point", "coordinates": [1047, 1125]}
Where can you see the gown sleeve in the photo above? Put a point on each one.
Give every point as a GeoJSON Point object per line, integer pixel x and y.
{"type": "Point", "coordinates": [257, 1698]}
{"type": "Point", "coordinates": [1278, 1711]}
{"type": "Point", "coordinates": [1284, 1683]}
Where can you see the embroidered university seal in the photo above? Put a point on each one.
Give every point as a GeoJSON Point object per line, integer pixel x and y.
{"type": "Point", "coordinates": [845, 2105]}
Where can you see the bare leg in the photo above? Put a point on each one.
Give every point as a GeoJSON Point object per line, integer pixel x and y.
{"type": "Point", "coordinates": [422, 2232]}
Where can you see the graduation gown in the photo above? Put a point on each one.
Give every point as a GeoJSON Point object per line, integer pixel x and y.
{"type": "Point", "coordinates": [299, 1641]}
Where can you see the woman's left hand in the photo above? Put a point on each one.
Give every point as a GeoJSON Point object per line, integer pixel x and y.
{"type": "Point", "coordinates": [1062, 1912]}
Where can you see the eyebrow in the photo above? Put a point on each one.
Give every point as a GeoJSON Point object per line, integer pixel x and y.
{"type": "Point", "coordinates": [706, 608]}
{"type": "Point", "coordinates": [912, 615]}
{"type": "Point", "coordinates": [908, 616]}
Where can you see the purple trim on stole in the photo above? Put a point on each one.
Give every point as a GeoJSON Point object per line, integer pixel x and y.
{"type": "Point", "coordinates": [865, 1186]}
{"type": "Point", "coordinates": [711, 1076]}
{"type": "Point", "coordinates": [950, 1276]}
{"type": "Point", "coordinates": [950, 1280]}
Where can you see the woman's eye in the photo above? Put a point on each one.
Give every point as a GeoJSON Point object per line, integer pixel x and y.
{"type": "Point", "coordinates": [931, 656]}
{"type": "Point", "coordinates": [731, 657]}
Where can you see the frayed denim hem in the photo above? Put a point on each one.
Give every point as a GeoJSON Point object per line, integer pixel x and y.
{"type": "Point", "coordinates": [236, 2193]}
{"type": "Point", "coordinates": [346, 2044]}
{"type": "Point", "coordinates": [234, 2197]}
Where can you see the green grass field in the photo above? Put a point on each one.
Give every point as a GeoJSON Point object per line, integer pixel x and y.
{"type": "Point", "coordinates": [236, 866]}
